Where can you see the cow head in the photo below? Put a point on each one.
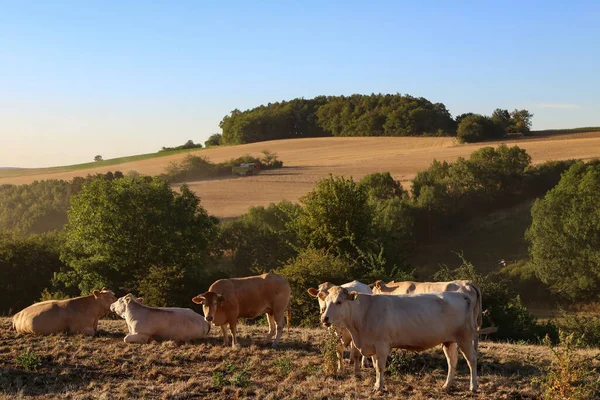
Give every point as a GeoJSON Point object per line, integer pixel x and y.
{"type": "Point", "coordinates": [377, 287]}
{"type": "Point", "coordinates": [323, 288]}
{"type": "Point", "coordinates": [210, 301]}
{"type": "Point", "coordinates": [337, 305]}
{"type": "Point", "coordinates": [105, 297]}
{"type": "Point", "coordinates": [120, 306]}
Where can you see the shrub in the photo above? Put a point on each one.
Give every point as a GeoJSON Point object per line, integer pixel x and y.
{"type": "Point", "coordinates": [584, 329]}
{"type": "Point", "coordinates": [187, 145]}
{"type": "Point", "coordinates": [29, 360]}
{"type": "Point", "coordinates": [570, 376]}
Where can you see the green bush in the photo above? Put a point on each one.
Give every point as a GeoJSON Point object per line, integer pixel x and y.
{"type": "Point", "coordinates": [585, 330]}
{"type": "Point", "coordinates": [29, 360]}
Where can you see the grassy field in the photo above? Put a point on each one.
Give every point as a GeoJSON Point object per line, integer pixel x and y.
{"type": "Point", "coordinates": [308, 160]}
{"type": "Point", "coordinates": [103, 367]}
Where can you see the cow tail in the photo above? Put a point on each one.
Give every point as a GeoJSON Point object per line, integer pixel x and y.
{"type": "Point", "coordinates": [478, 306]}
{"type": "Point", "coordinates": [288, 316]}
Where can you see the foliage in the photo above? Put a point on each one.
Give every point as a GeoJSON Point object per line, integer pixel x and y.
{"type": "Point", "coordinates": [29, 360]}
{"type": "Point", "coordinates": [565, 234]}
{"type": "Point", "coordinates": [98, 158]}
{"type": "Point", "coordinates": [476, 127]}
{"type": "Point", "coordinates": [259, 240]}
{"type": "Point", "coordinates": [570, 375]}
{"type": "Point", "coordinates": [584, 329]}
{"type": "Point", "coordinates": [40, 206]}
{"type": "Point", "coordinates": [213, 140]}
{"type": "Point", "coordinates": [328, 349]}
{"type": "Point", "coordinates": [310, 268]}
{"type": "Point", "coordinates": [228, 374]}
{"type": "Point", "coordinates": [121, 233]}
{"type": "Point", "coordinates": [187, 145]}
{"type": "Point", "coordinates": [381, 186]}
{"type": "Point", "coordinates": [284, 366]}
{"type": "Point", "coordinates": [27, 266]}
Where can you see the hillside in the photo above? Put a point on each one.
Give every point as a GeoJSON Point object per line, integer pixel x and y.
{"type": "Point", "coordinates": [308, 160]}
{"type": "Point", "coordinates": [69, 367]}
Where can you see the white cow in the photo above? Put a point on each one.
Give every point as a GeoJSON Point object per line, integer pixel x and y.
{"type": "Point", "coordinates": [410, 287]}
{"type": "Point", "coordinates": [343, 333]}
{"type": "Point", "coordinates": [168, 323]}
{"type": "Point", "coordinates": [379, 323]}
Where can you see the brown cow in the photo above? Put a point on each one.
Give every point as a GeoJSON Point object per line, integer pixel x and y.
{"type": "Point", "coordinates": [78, 315]}
{"type": "Point", "coordinates": [229, 299]}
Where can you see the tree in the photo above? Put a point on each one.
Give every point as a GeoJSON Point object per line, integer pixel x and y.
{"type": "Point", "coordinates": [381, 185]}
{"type": "Point", "coordinates": [474, 128]}
{"type": "Point", "coordinates": [122, 232]}
{"type": "Point", "coordinates": [565, 234]}
{"type": "Point", "coordinates": [520, 121]}
{"type": "Point", "coordinates": [98, 158]}
{"type": "Point", "coordinates": [502, 119]}
{"type": "Point", "coordinates": [213, 140]}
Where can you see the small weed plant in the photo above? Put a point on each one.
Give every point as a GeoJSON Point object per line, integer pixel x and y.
{"type": "Point", "coordinates": [284, 366]}
{"type": "Point", "coordinates": [229, 374]}
{"type": "Point", "coordinates": [29, 360]}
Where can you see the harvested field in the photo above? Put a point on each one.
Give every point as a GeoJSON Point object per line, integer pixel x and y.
{"type": "Point", "coordinates": [308, 160]}
{"type": "Point", "coordinates": [79, 367]}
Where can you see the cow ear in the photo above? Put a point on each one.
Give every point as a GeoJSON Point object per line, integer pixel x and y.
{"type": "Point", "coordinates": [139, 300]}
{"type": "Point", "coordinates": [353, 296]}
{"type": "Point", "coordinates": [313, 292]}
{"type": "Point", "coordinates": [199, 299]}
{"type": "Point", "coordinates": [372, 285]}
{"type": "Point", "coordinates": [322, 296]}
{"type": "Point", "coordinates": [378, 284]}
{"type": "Point", "coordinates": [220, 299]}
{"type": "Point", "coordinates": [96, 293]}
{"type": "Point", "coordinates": [104, 289]}
{"type": "Point", "coordinates": [127, 299]}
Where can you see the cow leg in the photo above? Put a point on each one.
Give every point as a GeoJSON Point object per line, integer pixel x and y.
{"type": "Point", "coordinates": [468, 351]}
{"type": "Point", "coordinates": [272, 328]}
{"type": "Point", "coordinates": [233, 330]}
{"type": "Point", "coordinates": [451, 352]}
{"type": "Point", "coordinates": [476, 341]}
{"type": "Point", "coordinates": [136, 338]}
{"type": "Point", "coordinates": [280, 326]}
{"type": "Point", "coordinates": [88, 331]}
{"type": "Point", "coordinates": [339, 351]}
{"type": "Point", "coordinates": [225, 335]}
{"type": "Point", "coordinates": [355, 356]}
{"type": "Point", "coordinates": [380, 357]}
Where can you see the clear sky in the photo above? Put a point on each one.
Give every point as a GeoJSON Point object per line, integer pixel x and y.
{"type": "Point", "coordinates": [116, 78]}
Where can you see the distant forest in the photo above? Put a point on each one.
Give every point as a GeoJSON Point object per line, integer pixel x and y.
{"type": "Point", "coordinates": [366, 115]}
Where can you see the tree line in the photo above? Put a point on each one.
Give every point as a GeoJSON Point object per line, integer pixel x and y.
{"type": "Point", "coordinates": [136, 233]}
{"type": "Point", "coordinates": [365, 115]}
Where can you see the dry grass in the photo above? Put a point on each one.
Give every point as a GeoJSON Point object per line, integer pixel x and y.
{"type": "Point", "coordinates": [103, 367]}
{"type": "Point", "coordinates": [308, 160]}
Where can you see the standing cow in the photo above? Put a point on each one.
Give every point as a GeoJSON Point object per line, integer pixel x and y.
{"type": "Point", "coordinates": [160, 323]}
{"type": "Point", "coordinates": [230, 299]}
{"type": "Point", "coordinates": [342, 333]}
{"type": "Point", "coordinates": [379, 323]}
{"type": "Point", "coordinates": [78, 315]}
{"type": "Point", "coordinates": [462, 286]}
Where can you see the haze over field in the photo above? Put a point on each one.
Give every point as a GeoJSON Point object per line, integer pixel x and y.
{"type": "Point", "coordinates": [308, 160]}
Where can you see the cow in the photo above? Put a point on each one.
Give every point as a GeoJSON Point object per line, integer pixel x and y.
{"type": "Point", "coordinates": [379, 323]}
{"type": "Point", "coordinates": [78, 315]}
{"type": "Point", "coordinates": [342, 333]}
{"type": "Point", "coordinates": [165, 323]}
{"type": "Point", "coordinates": [409, 287]}
{"type": "Point", "coordinates": [229, 299]}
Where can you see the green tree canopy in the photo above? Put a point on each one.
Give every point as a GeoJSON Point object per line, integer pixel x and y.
{"type": "Point", "coordinates": [565, 234]}
{"type": "Point", "coordinates": [122, 232]}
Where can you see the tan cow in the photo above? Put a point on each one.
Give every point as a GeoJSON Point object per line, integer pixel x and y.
{"type": "Point", "coordinates": [342, 333]}
{"type": "Point", "coordinates": [78, 315]}
{"type": "Point", "coordinates": [379, 323]}
{"type": "Point", "coordinates": [159, 323]}
{"type": "Point", "coordinates": [229, 299]}
{"type": "Point", "coordinates": [463, 286]}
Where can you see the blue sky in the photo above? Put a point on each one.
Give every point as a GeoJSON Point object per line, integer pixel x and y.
{"type": "Point", "coordinates": [127, 77]}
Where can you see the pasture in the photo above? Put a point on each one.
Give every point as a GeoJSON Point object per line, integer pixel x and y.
{"type": "Point", "coordinates": [308, 160]}
{"type": "Point", "coordinates": [103, 367]}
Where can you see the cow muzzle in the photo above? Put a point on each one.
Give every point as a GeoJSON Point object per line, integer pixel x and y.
{"type": "Point", "coordinates": [209, 318]}
{"type": "Point", "coordinates": [325, 321]}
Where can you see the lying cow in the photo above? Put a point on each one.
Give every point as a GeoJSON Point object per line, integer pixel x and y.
{"type": "Point", "coordinates": [409, 287]}
{"type": "Point", "coordinates": [342, 333]}
{"type": "Point", "coordinates": [379, 323]}
{"type": "Point", "coordinates": [229, 299]}
{"type": "Point", "coordinates": [78, 315]}
{"type": "Point", "coordinates": [145, 323]}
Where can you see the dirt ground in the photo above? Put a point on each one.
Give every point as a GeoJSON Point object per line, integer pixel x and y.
{"type": "Point", "coordinates": [104, 367]}
{"type": "Point", "coordinates": [308, 160]}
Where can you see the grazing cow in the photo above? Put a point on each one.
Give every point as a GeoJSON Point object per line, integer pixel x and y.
{"type": "Point", "coordinates": [379, 323]}
{"type": "Point", "coordinates": [343, 333]}
{"type": "Point", "coordinates": [230, 299]}
{"type": "Point", "coordinates": [409, 287]}
{"type": "Point", "coordinates": [165, 323]}
{"type": "Point", "coordinates": [78, 315]}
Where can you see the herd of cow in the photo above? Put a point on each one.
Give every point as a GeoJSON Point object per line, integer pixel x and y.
{"type": "Point", "coordinates": [371, 319]}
